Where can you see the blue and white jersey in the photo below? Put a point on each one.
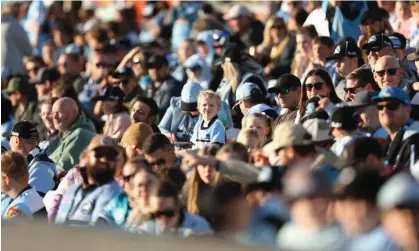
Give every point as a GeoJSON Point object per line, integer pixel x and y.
{"type": "Point", "coordinates": [42, 171]}
{"type": "Point", "coordinates": [213, 133]}
{"type": "Point", "coordinates": [26, 203]}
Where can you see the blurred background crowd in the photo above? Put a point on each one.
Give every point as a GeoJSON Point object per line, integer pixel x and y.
{"type": "Point", "coordinates": [283, 124]}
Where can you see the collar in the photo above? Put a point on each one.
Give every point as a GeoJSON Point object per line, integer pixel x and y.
{"type": "Point", "coordinates": [33, 154]}
{"type": "Point", "coordinates": [209, 124]}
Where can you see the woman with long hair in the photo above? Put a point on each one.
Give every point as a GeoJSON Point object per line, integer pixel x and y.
{"type": "Point", "coordinates": [316, 85]}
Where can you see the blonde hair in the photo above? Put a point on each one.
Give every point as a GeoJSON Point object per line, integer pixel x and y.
{"type": "Point", "coordinates": [248, 133]}
{"type": "Point", "coordinates": [209, 94]}
{"type": "Point", "coordinates": [233, 74]}
{"type": "Point", "coordinates": [265, 118]}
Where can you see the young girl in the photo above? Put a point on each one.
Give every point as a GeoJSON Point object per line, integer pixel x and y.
{"type": "Point", "coordinates": [261, 123]}
{"type": "Point", "coordinates": [117, 116]}
{"type": "Point", "coordinates": [250, 139]}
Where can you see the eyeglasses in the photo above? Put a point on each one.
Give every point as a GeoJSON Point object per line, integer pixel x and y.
{"type": "Point", "coordinates": [317, 86]}
{"type": "Point", "coordinates": [391, 72]}
{"type": "Point", "coordinates": [390, 106]}
{"type": "Point", "coordinates": [284, 91]}
{"type": "Point", "coordinates": [107, 152]}
{"type": "Point", "coordinates": [158, 162]}
{"type": "Point", "coordinates": [103, 65]}
{"type": "Point", "coordinates": [169, 213]}
{"type": "Point", "coordinates": [352, 89]}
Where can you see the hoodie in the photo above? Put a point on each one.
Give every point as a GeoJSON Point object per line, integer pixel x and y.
{"type": "Point", "coordinates": [205, 76]}
{"type": "Point", "coordinates": [207, 37]}
{"type": "Point", "coordinates": [65, 149]}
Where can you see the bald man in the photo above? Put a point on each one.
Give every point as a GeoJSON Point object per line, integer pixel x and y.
{"type": "Point", "coordinates": [75, 134]}
{"type": "Point", "coordinates": [387, 72]}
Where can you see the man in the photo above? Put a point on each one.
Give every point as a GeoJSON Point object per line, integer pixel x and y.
{"type": "Point", "coordinates": [21, 199]}
{"type": "Point", "coordinates": [32, 66]}
{"type": "Point", "coordinates": [70, 63]}
{"type": "Point", "coordinates": [343, 128]}
{"type": "Point", "coordinates": [124, 78]}
{"type": "Point", "coordinates": [19, 94]}
{"type": "Point", "coordinates": [365, 153]}
{"type": "Point", "coordinates": [75, 134]}
{"type": "Point", "coordinates": [372, 22]}
{"type": "Point", "coordinates": [322, 49]}
{"type": "Point", "coordinates": [145, 110]}
{"type": "Point", "coordinates": [44, 81]}
{"type": "Point", "coordinates": [24, 139]}
{"type": "Point", "coordinates": [250, 100]}
{"type": "Point", "coordinates": [378, 45]}
{"type": "Point", "coordinates": [357, 212]}
{"type": "Point", "coordinates": [244, 25]}
{"type": "Point", "coordinates": [348, 57]}
{"type": "Point", "coordinates": [387, 72]}
{"type": "Point", "coordinates": [159, 152]}
{"type": "Point", "coordinates": [398, 199]}
{"type": "Point", "coordinates": [394, 113]}
{"type": "Point", "coordinates": [287, 91]}
{"type": "Point", "coordinates": [399, 47]}
{"type": "Point", "coordinates": [367, 112]}
{"type": "Point", "coordinates": [133, 138]}
{"type": "Point", "coordinates": [360, 80]}
{"type": "Point", "coordinates": [164, 86]}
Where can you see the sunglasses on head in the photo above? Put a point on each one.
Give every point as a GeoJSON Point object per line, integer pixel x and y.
{"type": "Point", "coordinates": [137, 61]}
{"type": "Point", "coordinates": [107, 152]}
{"type": "Point", "coordinates": [392, 106]}
{"type": "Point", "coordinates": [169, 213]}
{"type": "Point", "coordinates": [317, 86]}
{"type": "Point", "coordinates": [391, 72]}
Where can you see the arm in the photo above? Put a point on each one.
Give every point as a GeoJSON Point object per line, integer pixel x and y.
{"type": "Point", "coordinates": [166, 122]}
{"type": "Point", "coordinates": [128, 57]}
{"type": "Point", "coordinates": [41, 177]}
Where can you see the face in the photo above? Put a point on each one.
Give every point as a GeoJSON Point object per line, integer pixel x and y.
{"type": "Point", "coordinates": [303, 44]}
{"type": "Point", "coordinates": [316, 86]}
{"type": "Point", "coordinates": [14, 145]}
{"type": "Point", "coordinates": [353, 87]}
{"type": "Point", "coordinates": [43, 89]}
{"type": "Point", "coordinates": [140, 185]}
{"type": "Point", "coordinates": [206, 173]}
{"type": "Point", "coordinates": [138, 64]}
{"type": "Point", "coordinates": [321, 51]}
{"type": "Point", "coordinates": [208, 107]}
{"type": "Point", "coordinates": [61, 117]}
{"type": "Point", "coordinates": [161, 157]}
{"type": "Point", "coordinates": [46, 116]}
{"type": "Point", "coordinates": [392, 114]}
{"type": "Point", "coordinates": [32, 69]}
{"type": "Point", "coordinates": [109, 106]}
{"type": "Point", "coordinates": [127, 85]}
{"type": "Point", "coordinates": [369, 121]}
{"type": "Point", "coordinates": [203, 49]}
{"type": "Point", "coordinates": [310, 212]}
{"type": "Point", "coordinates": [236, 24]}
{"type": "Point", "coordinates": [48, 54]}
{"type": "Point", "coordinates": [372, 26]}
{"type": "Point", "coordinates": [99, 67]}
{"type": "Point", "coordinates": [351, 215]}
{"type": "Point", "coordinates": [14, 98]}
{"type": "Point", "coordinates": [346, 65]}
{"type": "Point", "coordinates": [140, 113]}
{"type": "Point", "coordinates": [165, 210]}
{"type": "Point", "coordinates": [185, 50]}
{"type": "Point", "coordinates": [67, 65]}
{"type": "Point", "coordinates": [402, 10]}
{"type": "Point", "coordinates": [258, 124]}
{"type": "Point", "coordinates": [244, 106]}
{"type": "Point", "coordinates": [288, 98]}
{"type": "Point", "coordinates": [402, 225]}
{"type": "Point", "coordinates": [277, 30]}
{"type": "Point", "coordinates": [387, 74]}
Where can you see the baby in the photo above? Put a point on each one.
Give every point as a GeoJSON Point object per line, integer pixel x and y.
{"type": "Point", "coordinates": [209, 129]}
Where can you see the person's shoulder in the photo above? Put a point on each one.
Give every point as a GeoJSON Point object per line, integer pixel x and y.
{"type": "Point", "coordinates": [195, 221]}
{"type": "Point", "coordinates": [175, 102]}
{"type": "Point", "coordinates": [218, 124]}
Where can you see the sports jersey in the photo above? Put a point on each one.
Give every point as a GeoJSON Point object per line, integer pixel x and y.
{"type": "Point", "coordinates": [213, 133]}
{"type": "Point", "coordinates": [26, 203]}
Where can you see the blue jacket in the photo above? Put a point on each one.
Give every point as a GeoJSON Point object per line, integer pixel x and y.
{"type": "Point", "coordinates": [84, 207]}
{"type": "Point", "coordinates": [117, 210]}
{"type": "Point", "coordinates": [42, 171]}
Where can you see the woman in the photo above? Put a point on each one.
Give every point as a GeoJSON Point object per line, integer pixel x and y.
{"type": "Point", "coordinates": [303, 57]}
{"type": "Point", "coordinates": [46, 116]}
{"type": "Point", "coordinates": [138, 60]}
{"type": "Point", "coordinates": [117, 116]}
{"type": "Point", "coordinates": [317, 84]}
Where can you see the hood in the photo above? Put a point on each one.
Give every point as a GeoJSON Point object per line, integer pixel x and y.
{"type": "Point", "coordinates": [82, 122]}
{"type": "Point", "coordinates": [206, 74]}
{"type": "Point", "coordinates": [207, 37]}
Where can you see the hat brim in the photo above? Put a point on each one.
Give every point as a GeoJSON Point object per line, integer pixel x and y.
{"type": "Point", "coordinates": [334, 57]}
{"type": "Point", "coordinates": [188, 107]}
{"type": "Point", "coordinates": [372, 46]}
{"type": "Point", "coordinates": [413, 56]}
{"type": "Point", "coordinates": [274, 89]}
{"type": "Point", "coordinates": [379, 99]}
{"type": "Point", "coordinates": [7, 134]}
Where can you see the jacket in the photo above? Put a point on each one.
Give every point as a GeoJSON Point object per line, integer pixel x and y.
{"type": "Point", "coordinates": [42, 171]}
{"type": "Point", "coordinates": [162, 95]}
{"type": "Point", "coordinates": [252, 36]}
{"type": "Point", "coordinates": [116, 211]}
{"type": "Point", "coordinates": [27, 203]}
{"type": "Point", "coordinates": [84, 207]}
{"type": "Point", "coordinates": [65, 149]}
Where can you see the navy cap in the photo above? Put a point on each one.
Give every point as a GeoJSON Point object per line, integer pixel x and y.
{"type": "Point", "coordinates": [377, 42]}
{"type": "Point", "coordinates": [286, 81]}
{"type": "Point", "coordinates": [24, 130]}
{"type": "Point", "coordinates": [345, 49]}
{"type": "Point", "coordinates": [122, 73]}
{"type": "Point", "coordinates": [111, 93]}
{"type": "Point", "coordinates": [401, 190]}
{"type": "Point", "coordinates": [46, 74]}
{"type": "Point", "coordinates": [398, 40]}
{"type": "Point", "coordinates": [343, 118]}
{"type": "Point", "coordinates": [393, 93]}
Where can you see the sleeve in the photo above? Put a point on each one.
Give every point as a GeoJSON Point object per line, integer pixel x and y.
{"type": "Point", "coordinates": [239, 171]}
{"type": "Point", "coordinates": [21, 40]}
{"type": "Point", "coordinates": [218, 133]}
{"type": "Point", "coordinates": [42, 177]}
{"type": "Point", "coordinates": [196, 131]}
{"type": "Point", "coordinates": [166, 121]}
{"type": "Point", "coordinates": [73, 149]}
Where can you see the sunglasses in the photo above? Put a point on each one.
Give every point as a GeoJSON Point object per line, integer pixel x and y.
{"type": "Point", "coordinates": [158, 162]}
{"type": "Point", "coordinates": [390, 72]}
{"type": "Point", "coordinates": [127, 178]}
{"type": "Point", "coordinates": [317, 86]}
{"type": "Point", "coordinates": [107, 152]}
{"type": "Point", "coordinates": [390, 106]}
{"type": "Point", "coordinates": [351, 89]}
{"type": "Point", "coordinates": [284, 91]}
{"type": "Point", "coordinates": [123, 82]}
{"type": "Point", "coordinates": [169, 213]}
{"type": "Point", "coordinates": [103, 65]}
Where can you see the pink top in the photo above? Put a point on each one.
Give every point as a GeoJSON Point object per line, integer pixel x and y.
{"type": "Point", "coordinates": [116, 125]}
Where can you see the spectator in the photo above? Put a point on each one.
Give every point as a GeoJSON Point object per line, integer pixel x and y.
{"type": "Point", "coordinates": [403, 14]}
{"type": "Point", "coordinates": [133, 138]}
{"type": "Point", "coordinates": [168, 215]}
{"type": "Point", "coordinates": [75, 133]}
{"type": "Point", "coordinates": [24, 139]}
{"type": "Point", "coordinates": [322, 50]}
{"type": "Point", "coordinates": [45, 79]}
{"type": "Point", "coordinates": [413, 36]}
{"type": "Point", "coordinates": [233, 151]}
{"type": "Point", "coordinates": [250, 139]}
{"type": "Point", "coordinates": [145, 110]}
{"type": "Point", "coordinates": [21, 199]}
{"type": "Point", "coordinates": [48, 53]}
{"type": "Point", "coordinates": [32, 66]}
{"type": "Point", "coordinates": [159, 152]}
{"type": "Point", "coordinates": [62, 35]}
{"type": "Point", "coordinates": [365, 153]}
{"type": "Point", "coordinates": [360, 80]}
{"type": "Point", "coordinates": [373, 21]}
{"type": "Point", "coordinates": [137, 57]}
{"type": "Point", "coordinates": [117, 116]}
{"type": "Point", "coordinates": [186, 49]}
{"type": "Point", "coordinates": [288, 92]}
{"type": "Point", "coordinates": [377, 46]}
{"type": "Point", "coordinates": [198, 70]}
{"type": "Point", "coordinates": [244, 25]}
{"type": "Point", "coordinates": [387, 72]}
{"type": "Point", "coordinates": [414, 56]}
{"type": "Point", "coordinates": [50, 132]}
{"type": "Point", "coordinates": [303, 51]}
{"type": "Point", "coordinates": [262, 124]}
{"type": "Point", "coordinates": [399, 47]}
{"type": "Point", "coordinates": [205, 46]}
{"type": "Point", "coordinates": [343, 128]}
{"type": "Point", "coordinates": [346, 19]}
{"type": "Point", "coordinates": [164, 86]}
{"type": "Point", "coordinates": [124, 79]}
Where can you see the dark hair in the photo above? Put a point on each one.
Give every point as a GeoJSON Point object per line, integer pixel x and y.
{"type": "Point", "coordinates": [300, 16]}
{"type": "Point", "coordinates": [64, 25]}
{"type": "Point", "coordinates": [164, 188]}
{"type": "Point", "coordinates": [256, 96]}
{"type": "Point", "coordinates": [173, 175]}
{"type": "Point", "coordinates": [235, 147]}
{"type": "Point", "coordinates": [35, 59]}
{"type": "Point", "coordinates": [401, 37]}
{"type": "Point", "coordinates": [309, 30]}
{"type": "Point", "coordinates": [155, 142]}
{"type": "Point", "coordinates": [324, 40]}
{"type": "Point", "coordinates": [154, 109]}
{"type": "Point", "coordinates": [358, 150]}
{"type": "Point", "coordinates": [304, 149]}
{"type": "Point", "coordinates": [319, 72]}
{"type": "Point", "coordinates": [364, 76]}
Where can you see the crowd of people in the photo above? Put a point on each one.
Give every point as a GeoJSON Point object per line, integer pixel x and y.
{"type": "Point", "coordinates": [298, 132]}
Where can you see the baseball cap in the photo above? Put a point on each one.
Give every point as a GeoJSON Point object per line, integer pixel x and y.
{"type": "Point", "coordinates": [194, 61]}
{"type": "Point", "coordinates": [288, 134]}
{"type": "Point", "coordinates": [189, 96]}
{"type": "Point", "coordinates": [101, 140]}
{"type": "Point", "coordinates": [401, 190]}
{"type": "Point", "coordinates": [318, 128]}
{"type": "Point", "coordinates": [157, 61]}
{"type": "Point", "coordinates": [286, 81]}
{"type": "Point", "coordinates": [392, 93]}
{"type": "Point", "coordinates": [231, 53]}
{"type": "Point", "coordinates": [111, 93]}
{"type": "Point", "coordinates": [46, 74]}
{"type": "Point", "coordinates": [362, 184]}
{"type": "Point", "coordinates": [246, 90]}
{"type": "Point", "coordinates": [377, 42]}
{"type": "Point", "coordinates": [236, 11]}
{"type": "Point", "coordinates": [136, 134]}
{"type": "Point", "coordinates": [414, 56]}
{"type": "Point", "coordinates": [398, 40]}
{"type": "Point", "coordinates": [17, 84]}
{"type": "Point", "coordinates": [24, 130]}
{"type": "Point", "coordinates": [122, 73]}
{"type": "Point", "coordinates": [345, 49]}
{"type": "Point", "coordinates": [364, 98]}
{"type": "Point", "coordinates": [343, 118]}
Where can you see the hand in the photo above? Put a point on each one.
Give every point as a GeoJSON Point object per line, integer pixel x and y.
{"type": "Point", "coordinates": [323, 103]}
{"type": "Point", "coordinates": [191, 160]}
{"type": "Point", "coordinates": [259, 159]}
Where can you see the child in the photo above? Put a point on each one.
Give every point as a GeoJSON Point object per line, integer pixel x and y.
{"type": "Point", "coordinates": [209, 129]}
{"type": "Point", "coordinates": [261, 123]}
